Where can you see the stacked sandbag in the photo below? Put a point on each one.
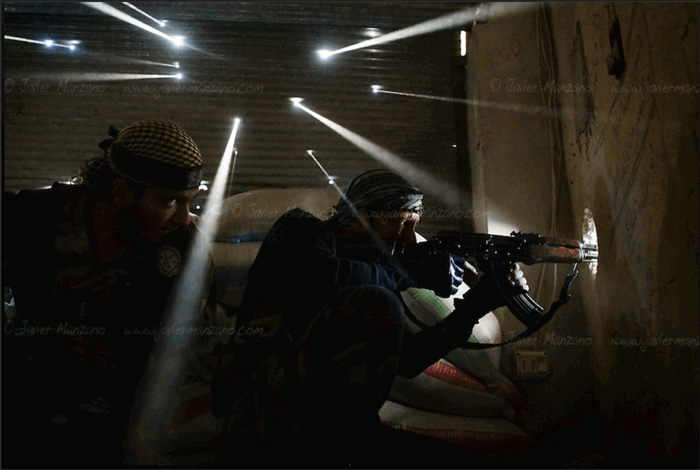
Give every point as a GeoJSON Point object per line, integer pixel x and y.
{"type": "Point", "coordinates": [191, 431]}
{"type": "Point", "coordinates": [463, 398]}
{"type": "Point", "coordinates": [244, 220]}
{"type": "Point", "coordinates": [484, 436]}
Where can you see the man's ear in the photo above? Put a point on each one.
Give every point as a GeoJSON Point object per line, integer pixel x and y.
{"type": "Point", "coordinates": [122, 195]}
{"type": "Point", "coordinates": [358, 228]}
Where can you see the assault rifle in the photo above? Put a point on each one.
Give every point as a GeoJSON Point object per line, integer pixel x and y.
{"type": "Point", "coordinates": [528, 248]}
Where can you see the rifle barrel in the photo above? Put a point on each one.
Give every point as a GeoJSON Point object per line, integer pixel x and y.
{"type": "Point", "coordinates": [590, 253]}
{"type": "Point", "coordinates": [527, 248]}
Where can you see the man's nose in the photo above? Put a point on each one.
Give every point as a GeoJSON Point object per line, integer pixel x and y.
{"type": "Point", "coordinates": [182, 215]}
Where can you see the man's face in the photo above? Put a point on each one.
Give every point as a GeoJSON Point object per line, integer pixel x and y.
{"type": "Point", "coordinates": [161, 210]}
{"type": "Point", "coordinates": [401, 227]}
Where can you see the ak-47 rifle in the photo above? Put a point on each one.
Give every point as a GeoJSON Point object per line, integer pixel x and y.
{"type": "Point", "coordinates": [527, 248]}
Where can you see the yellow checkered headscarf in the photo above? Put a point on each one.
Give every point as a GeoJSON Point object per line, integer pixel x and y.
{"type": "Point", "coordinates": [158, 153]}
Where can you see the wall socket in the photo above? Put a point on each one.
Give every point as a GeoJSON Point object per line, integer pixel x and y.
{"type": "Point", "coordinates": [531, 365]}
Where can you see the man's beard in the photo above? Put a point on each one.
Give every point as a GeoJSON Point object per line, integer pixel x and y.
{"type": "Point", "coordinates": [135, 228]}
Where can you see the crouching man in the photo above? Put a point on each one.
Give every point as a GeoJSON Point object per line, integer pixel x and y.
{"type": "Point", "coordinates": [307, 391]}
{"type": "Point", "coordinates": [91, 268]}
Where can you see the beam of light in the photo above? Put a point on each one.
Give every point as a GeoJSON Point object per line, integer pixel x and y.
{"type": "Point", "coordinates": [378, 241]}
{"type": "Point", "coordinates": [330, 179]}
{"type": "Point", "coordinates": [112, 59]}
{"type": "Point", "coordinates": [111, 11]}
{"type": "Point", "coordinates": [47, 42]}
{"type": "Point", "coordinates": [499, 222]}
{"type": "Point", "coordinates": [160, 23]}
{"type": "Point", "coordinates": [443, 191]}
{"type": "Point", "coordinates": [218, 187]}
{"type": "Point", "coordinates": [518, 108]}
{"type": "Point", "coordinates": [233, 168]}
{"type": "Point", "coordinates": [463, 43]}
{"type": "Point", "coordinates": [216, 193]}
{"type": "Point", "coordinates": [467, 16]}
{"type": "Point", "coordinates": [176, 65]}
{"type": "Point", "coordinates": [171, 365]}
{"type": "Point", "coordinates": [100, 77]}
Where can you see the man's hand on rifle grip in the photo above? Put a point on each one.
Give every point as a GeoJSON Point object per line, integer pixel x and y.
{"type": "Point", "coordinates": [486, 295]}
{"type": "Point", "coordinates": [498, 279]}
{"type": "Point", "coordinates": [516, 278]}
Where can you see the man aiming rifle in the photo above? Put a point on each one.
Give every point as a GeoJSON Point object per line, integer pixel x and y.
{"type": "Point", "coordinates": [307, 392]}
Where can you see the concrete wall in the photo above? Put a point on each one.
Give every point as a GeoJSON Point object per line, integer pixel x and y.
{"type": "Point", "coordinates": [566, 124]}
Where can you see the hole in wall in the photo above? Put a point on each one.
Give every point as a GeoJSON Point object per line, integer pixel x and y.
{"type": "Point", "coordinates": [590, 236]}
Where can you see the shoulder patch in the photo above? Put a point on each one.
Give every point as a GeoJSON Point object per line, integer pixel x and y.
{"type": "Point", "coordinates": [168, 260]}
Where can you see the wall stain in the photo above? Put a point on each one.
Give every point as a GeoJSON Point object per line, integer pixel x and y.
{"type": "Point", "coordinates": [619, 92]}
{"type": "Point", "coordinates": [583, 103]}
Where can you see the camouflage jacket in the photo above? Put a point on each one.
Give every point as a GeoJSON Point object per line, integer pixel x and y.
{"type": "Point", "coordinates": [98, 322]}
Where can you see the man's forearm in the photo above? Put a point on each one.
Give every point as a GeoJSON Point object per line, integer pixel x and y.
{"type": "Point", "coordinates": [423, 349]}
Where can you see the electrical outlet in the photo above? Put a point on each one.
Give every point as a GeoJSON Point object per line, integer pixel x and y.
{"type": "Point", "coordinates": [531, 365]}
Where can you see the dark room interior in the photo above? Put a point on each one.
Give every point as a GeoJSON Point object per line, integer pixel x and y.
{"type": "Point", "coordinates": [569, 120]}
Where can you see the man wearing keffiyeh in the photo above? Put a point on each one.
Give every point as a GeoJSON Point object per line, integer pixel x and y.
{"type": "Point", "coordinates": [94, 264]}
{"type": "Point", "coordinates": [326, 294]}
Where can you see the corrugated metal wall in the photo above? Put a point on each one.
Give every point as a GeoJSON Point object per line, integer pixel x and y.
{"type": "Point", "coordinates": [242, 60]}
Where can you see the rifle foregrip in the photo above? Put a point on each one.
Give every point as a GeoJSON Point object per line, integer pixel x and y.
{"type": "Point", "coordinates": [554, 254]}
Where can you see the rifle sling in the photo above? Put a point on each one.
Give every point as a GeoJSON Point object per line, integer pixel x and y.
{"type": "Point", "coordinates": [543, 320]}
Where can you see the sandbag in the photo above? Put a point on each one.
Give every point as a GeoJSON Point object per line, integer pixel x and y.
{"type": "Point", "coordinates": [444, 388]}
{"type": "Point", "coordinates": [255, 212]}
{"type": "Point", "coordinates": [484, 436]}
{"type": "Point", "coordinates": [244, 220]}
